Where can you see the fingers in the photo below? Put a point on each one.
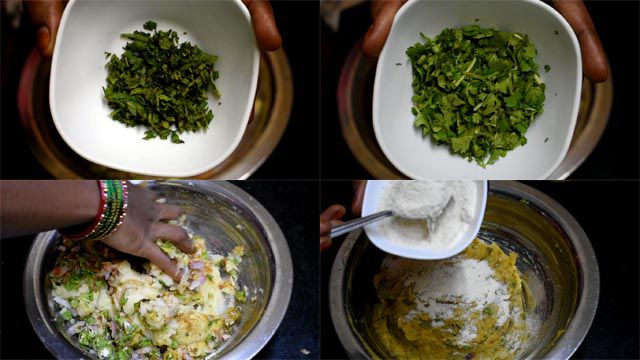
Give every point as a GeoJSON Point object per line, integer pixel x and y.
{"type": "Point", "coordinates": [175, 234]}
{"type": "Point", "coordinates": [325, 231]}
{"type": "Point", "coordinates": [325, 227]}
{"type": "Point", "coordinates": [333, 212]}
{"type": "Point", "coordinates": [264, 24]}
{"type": "Point", "coordinates": [325, 243]}
{"type": "Point", "coordinates": [594, 59]}
{"type": "Point", "coordinates": [328, 218]}
{"type": "Point", "coordinates": [154, 254]}
{"type": "Point", "coordinates": [168, 212]}
{"type": "Point", "coordinates": [45, 14]}
{"type": "Point", "coordinates": [358, 196]}
{"type": "Point", "coordinates": [384, 12]}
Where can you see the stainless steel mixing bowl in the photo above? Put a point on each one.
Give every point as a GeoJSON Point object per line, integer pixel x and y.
{"type": "Point", "coordinates": [226, 216]}
{"type": "Point", "coordinates": [555, 258]}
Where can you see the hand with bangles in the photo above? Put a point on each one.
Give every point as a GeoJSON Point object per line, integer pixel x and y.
{"type": "Point", "coordinates": [29, 207]}
{"type": "Point", "coordinates": [46, 14]}
{"type": "Point", "coordinates": [594, 59]}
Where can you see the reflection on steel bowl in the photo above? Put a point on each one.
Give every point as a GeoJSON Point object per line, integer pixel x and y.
{"type": "Point", "coordinates": [555, 258]}
{"type": "Point", "coordinates": [224, 215]}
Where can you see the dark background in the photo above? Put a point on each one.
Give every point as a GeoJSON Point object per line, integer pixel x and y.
{"type": "Point", "coordinates": [288, 202]}
{"type": "Point", "coordinates": [297, 21]}
{"type": "Point", "coordinates": [607, 211]}
{"type": "Point", "coordinates": [615, 157]}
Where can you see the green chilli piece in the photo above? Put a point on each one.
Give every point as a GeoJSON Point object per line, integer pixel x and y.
{"type": "Point", "coordinates": [476, 90]}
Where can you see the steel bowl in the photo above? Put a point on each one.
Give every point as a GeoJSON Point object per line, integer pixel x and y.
{"type": "Point", "coordinates": [555, 259]}
{"type": "Point", "coordinates": [226, 216]}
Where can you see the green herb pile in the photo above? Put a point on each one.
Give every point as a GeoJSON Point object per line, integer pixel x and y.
{"type": "Point", "coordinates": [161, 84]}
{"type": "Point", "coordinates": [476, 90]}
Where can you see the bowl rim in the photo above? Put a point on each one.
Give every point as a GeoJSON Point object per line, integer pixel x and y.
{"type": "Point", "coordinates": [428, 254]}
{"type": "Point", "coordinates": [583, 315]}
{"type": "Point", "coordinates": [377, 88]}
{"type": "Point", "coordinates": [253, 342]}
{"type": "Point", "coordinates": [133, 169]}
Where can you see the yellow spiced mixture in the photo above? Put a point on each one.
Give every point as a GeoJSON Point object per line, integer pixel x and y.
{"type": "Point", "coordinates": [470, 306]}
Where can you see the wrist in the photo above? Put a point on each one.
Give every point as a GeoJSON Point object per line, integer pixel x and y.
{"type": "Point", "coordinates": [88, 201]}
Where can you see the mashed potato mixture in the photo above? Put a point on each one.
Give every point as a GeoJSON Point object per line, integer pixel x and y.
{"type": "Point", "coordinates": [116, 312]}
{"type": "Point", "coordinates": [471, 306]}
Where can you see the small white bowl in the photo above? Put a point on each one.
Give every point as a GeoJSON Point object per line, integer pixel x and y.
{"type": "Point", "coordinates": [81, 115]}
{"type": "Point", "coordinates": [372, 194]}
{"type": "Point", "coordinates": [548, 137]}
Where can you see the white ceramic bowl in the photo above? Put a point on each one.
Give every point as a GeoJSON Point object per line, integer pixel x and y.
{"type": "Point", "coordinates": [373, 192]}
{"type": "Point", "coordinates": [89, 28]}
{"type": "Point", "coordinates": [548, 137]}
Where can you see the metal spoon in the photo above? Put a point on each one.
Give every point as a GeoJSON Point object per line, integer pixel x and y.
{"type": "Point", "coordinates": [358, 223]}
{"type": "Point", "coordinates": [364, 221]}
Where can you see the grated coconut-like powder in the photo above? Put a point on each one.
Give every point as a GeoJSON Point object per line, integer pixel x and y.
{"type": "Point", "coordinates": [441, 287]}
{"type": "Point", "coordinates": [427, 213]}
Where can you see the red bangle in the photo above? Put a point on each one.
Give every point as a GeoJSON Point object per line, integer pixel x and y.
{"type": "Point", "coordinates": [111, 212]}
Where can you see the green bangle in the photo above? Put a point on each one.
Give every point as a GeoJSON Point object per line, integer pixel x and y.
{"type": "Point", "coordinates": [109, 220]}
{"type": "Point", "coordinates": [111, 213]}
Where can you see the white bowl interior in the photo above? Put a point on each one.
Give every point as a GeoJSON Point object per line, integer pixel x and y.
{"type": "Point", "coordinates": [80, 113]}
{"type": "Point", "coordinates": [372, 195]}
{"type": "Point", "coordinates": [548, 136]}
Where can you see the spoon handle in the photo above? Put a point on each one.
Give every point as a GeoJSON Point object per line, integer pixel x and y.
{"type": "Point", "coordinates": [358, 223]}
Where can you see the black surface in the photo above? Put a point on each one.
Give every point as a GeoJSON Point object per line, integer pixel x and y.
{"type": "Point", "coordinates": [16, 161]}
{"type": "Point", "coordinates": [297, 21]}
{"type": "Point", "coordinates": [288, 202]}
{"type": "Point", "coordinates": [608, 211]}
{"type": "Point", "coordinates": [615, 157]}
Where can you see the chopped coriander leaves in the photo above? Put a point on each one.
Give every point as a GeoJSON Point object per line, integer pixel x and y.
{"type": "Point", "coordinates": [161, 84]}
{"type": "Point", "coordinates": [476, 90]}
{"type": "Point", "coordinates": [150, 25]}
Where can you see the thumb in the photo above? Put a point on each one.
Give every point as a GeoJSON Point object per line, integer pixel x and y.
{"type": "Point", "coordinates": [44, 42]}
{"type": "Point", "coordinates": [264, 24]}
{"type": "Point", "coordinates": [45, 14]}
{"type": "Point", "coordinates": [384, 13]}
{"type": "Point", "coordinates": [594, 59]}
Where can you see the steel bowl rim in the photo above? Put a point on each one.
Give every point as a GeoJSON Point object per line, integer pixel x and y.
{"type": "Point", "coordinates": [581, 319]}
{"type": "Point", "coordinates": [253, 342]}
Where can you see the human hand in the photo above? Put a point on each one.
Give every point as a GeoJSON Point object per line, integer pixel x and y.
{"type": "Point", "coordinates": [46, 14]}
{"type": "Point", "coordinates": [382, 12]}
{"type": "Point", "coordinates": [328, 219]}
{"type": "Point", "coordinates": [143, 224]}
{"type": "Point", "coordinates": [264, 24]}
{"type": "Point", "coordinates": [594, 59]}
